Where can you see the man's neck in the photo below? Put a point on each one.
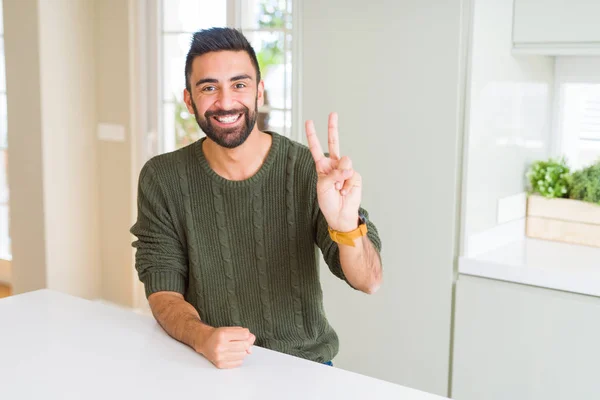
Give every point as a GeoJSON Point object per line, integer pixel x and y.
{"type": "Point", "coordinates": [242, 162]}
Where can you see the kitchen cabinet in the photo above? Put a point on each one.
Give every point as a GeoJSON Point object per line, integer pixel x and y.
{"type": "Point", "coordinates": [556, 27]}
{"type": "Point", "coordinates": [514, 341]}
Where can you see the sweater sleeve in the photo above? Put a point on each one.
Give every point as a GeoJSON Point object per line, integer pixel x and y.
{"type": "Point", "coordinates": [329, 248]}
{"type": "Point", "coordinates": [160, 258]}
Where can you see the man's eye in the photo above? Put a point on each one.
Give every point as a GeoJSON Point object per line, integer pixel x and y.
{"type": "Point", "coordinates": [240, 85]}
{"type": "Point", "coordinates": [209, 89]}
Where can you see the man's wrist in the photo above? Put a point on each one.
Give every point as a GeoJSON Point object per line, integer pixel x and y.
{"type": "Point", "coordinates": [200, 333]}
{"type": "Point", "coordinates": [348, 226]}
{"type": "Point", "coordinates": [345, 228]}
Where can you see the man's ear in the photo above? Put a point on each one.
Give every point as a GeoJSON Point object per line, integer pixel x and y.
{"type": "Point", "coordinates": [260, 96]}
{"type": "Point", "coordinates": [187, 98]}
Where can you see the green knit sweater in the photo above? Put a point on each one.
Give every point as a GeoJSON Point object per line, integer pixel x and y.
{"type": "Point", "coordinates": [241, 252]}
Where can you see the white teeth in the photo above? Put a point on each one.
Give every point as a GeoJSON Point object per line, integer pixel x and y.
{"type": "Point", "coordinates": [228, 119]}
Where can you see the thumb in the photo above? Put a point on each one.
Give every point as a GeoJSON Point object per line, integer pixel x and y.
{"type": "Point", "coordinates": [336, 178]}
{"type": "Point", "coordinates": [251, 341]}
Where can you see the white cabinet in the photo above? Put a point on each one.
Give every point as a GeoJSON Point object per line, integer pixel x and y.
{"type": "Point", "coordinates": [557, 27]}
{"type": "Point", "coordinates": [520, 342]}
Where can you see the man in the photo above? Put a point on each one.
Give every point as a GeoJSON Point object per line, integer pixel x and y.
{"type": "Point", "coordinates": [227, 226]}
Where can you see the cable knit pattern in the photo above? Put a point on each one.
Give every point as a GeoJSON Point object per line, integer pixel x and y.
{"type": "Point", "coordinates": [291, 231]}
{"type": "Point", "coordinates": [226, 254]}
{"type": "Point", "coordinates": [241, 252]}
{"type": "Point", "coordinates": [261, 264]}
{"type": "Point", "coordinates": [193, 255]}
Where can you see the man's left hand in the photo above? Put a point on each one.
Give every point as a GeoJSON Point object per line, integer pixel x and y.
{"type": "Point", "coordinates": [339, 187]}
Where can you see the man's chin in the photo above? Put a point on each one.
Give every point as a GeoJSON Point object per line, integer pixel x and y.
{"type": "Point", "coordinates": [228, 140]}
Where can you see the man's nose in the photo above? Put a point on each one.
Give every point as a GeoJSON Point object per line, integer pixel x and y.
{"type": "Point", "coordinates": [226, 100]}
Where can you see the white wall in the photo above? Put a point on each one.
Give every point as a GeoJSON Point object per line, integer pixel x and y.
{"type": "Point", "coordinates": [392, 71]}
{"type": "Point", "coordinates": [73, 197]}
{"type": "Point", "coordinates": [508, 123]}
{"type": "Point", "coordinates": [69, 146]}
{"type": "Point", "coordinates": [51, 123]}
{"type": "Point", "coordinates": [25, 175]}
{"type": "Point", "coordinates": [113, 95]}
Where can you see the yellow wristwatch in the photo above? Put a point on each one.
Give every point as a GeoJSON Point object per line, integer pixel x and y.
{"type": "Point", "coordinates": [348, 238]}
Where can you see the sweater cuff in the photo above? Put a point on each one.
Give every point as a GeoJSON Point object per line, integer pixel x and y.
{"type": "Point", "coordinates": [159, 281]}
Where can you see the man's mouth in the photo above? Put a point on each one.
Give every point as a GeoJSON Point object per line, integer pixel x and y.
{"type": "Point", "coordinates": [227, 119]}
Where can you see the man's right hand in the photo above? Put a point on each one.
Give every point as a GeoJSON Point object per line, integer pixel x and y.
{"type": "Point", "coordinates": [226, 347]}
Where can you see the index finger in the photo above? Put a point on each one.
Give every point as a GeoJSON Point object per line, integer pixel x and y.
{"type": "Point", "coordinates": [334, 142]}
{"type": "Point", "coordinates": [237, 333]}
{"type": "Point", "coordinates": [313, 142]}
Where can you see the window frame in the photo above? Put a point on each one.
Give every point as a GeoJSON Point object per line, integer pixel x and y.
{"type": "Point", "coordinates": [4, 258]}
{"type": "Point", "coordinates": [569, 69]}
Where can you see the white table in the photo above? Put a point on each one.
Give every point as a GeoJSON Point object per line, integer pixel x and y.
{"type": "Point", "coordinates": [54, 346]}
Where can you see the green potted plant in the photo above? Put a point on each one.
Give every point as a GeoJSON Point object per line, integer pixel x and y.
{"type": "Point", "coordinates": [549, 178]}
{"type": "Point", "coordinates": [564, 206]}
{"type": "Point", "coordinates": [585, 184]}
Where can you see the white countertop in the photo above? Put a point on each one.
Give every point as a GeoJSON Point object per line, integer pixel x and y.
{"type": "Point", "coordinates": [54, 346]}
{"type": "Point", "coordinates": [542, 263]}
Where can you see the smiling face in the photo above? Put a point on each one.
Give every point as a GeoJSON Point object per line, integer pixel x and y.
{"type": "Point", "coordinates": [224, 96]}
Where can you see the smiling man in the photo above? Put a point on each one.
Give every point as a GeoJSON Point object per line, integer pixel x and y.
{"type": "Point", "coordinates": [228, 226]}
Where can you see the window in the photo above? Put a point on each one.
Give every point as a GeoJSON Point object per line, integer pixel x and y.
{"type": "Point", "coordinates": [268, 25]}
{"type": "Point", "coordinates": [5, 252]}
{"type": "Point", "coordinates": [578, 123]}
{"type": "Point", "coordinates": [180, 19]}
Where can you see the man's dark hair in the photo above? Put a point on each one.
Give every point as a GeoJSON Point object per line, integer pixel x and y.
{"type": "Point", "coordinates": [217, 39]}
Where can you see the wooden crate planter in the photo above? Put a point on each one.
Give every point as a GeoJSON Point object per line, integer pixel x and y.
{"type": "Point", "coordinates": [563, 220]}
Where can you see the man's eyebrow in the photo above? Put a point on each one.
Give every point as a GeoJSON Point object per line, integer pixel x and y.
{"type": "Point", "coordinates": [241, 77]}
{"type": "Point", "coordinates": [206, 80]}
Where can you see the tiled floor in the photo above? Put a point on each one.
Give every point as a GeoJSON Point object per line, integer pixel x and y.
{"type": "Point", "coordinates": [4, 291]}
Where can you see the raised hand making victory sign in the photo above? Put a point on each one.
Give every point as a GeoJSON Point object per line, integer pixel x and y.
{"type": "Point", "coordinates": [339, 186]}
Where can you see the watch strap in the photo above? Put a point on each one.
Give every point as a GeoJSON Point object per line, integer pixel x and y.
{"type": "Point", "coordinates": [348, 238]}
